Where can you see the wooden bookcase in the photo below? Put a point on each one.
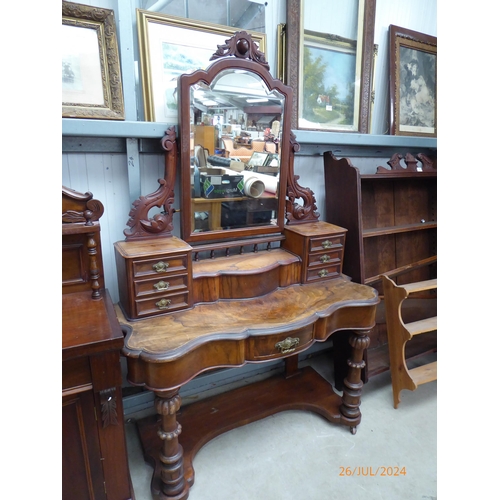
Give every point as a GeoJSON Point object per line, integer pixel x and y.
{"type": "Point", "coordinates": [391, 222]}
{"type": "Point", "coordinates": [206, 136]}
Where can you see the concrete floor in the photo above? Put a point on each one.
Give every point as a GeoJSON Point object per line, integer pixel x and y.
{"type": "Point", "coordinates": [297, 455]}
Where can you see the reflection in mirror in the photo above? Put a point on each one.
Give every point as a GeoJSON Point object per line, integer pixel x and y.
{"type": "Point", "coordinates": [236, 126]}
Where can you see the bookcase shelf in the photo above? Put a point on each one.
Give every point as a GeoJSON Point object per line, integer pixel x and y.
{"type": "Point", "coordinates": [391, 222]}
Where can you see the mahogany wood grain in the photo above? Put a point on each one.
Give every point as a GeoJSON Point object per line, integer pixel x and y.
{"type": "Point", "coordinates": [244, 276]}
{"type": "Point", "coordinates": [166, 351]}
{"type": "Point", "coordinates": [82, 473]}
{"type": "Point", "coordinates": [95, 460]}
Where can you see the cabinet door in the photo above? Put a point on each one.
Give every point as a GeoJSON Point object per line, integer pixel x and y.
{"type": "Point", "coordinates": [82, 473]}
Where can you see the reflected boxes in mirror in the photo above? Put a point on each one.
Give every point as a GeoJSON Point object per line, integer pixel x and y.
{"type": "Point", "coordinates": [216, 184]}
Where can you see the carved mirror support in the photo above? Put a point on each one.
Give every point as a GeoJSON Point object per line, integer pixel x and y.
{"type": "Point", "coordinates": [141, 225]}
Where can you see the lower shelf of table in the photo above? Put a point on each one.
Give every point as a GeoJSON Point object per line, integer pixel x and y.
{"type": "Point", "coordinates": [208, 418]}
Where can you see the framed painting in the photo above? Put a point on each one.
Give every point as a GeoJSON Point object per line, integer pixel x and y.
{"type": "Point", "coordinates": [329, 99]}
{"type": "Point", "coordinates": [91, 76]}
{"type": "Point", "coordinates": [170, 46]}
{"type": "Point", "coordinates": [257, 159]}
{"type": "Point", "coordinates": [413, 82]}
{"type": "Point", "coordinates": [329, 61]}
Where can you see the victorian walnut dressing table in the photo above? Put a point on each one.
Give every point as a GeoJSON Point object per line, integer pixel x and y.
{"type": "Point", "coordinates": [239, 294]}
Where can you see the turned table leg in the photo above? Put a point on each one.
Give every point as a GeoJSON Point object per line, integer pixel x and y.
{"type": "Point", "coordinates": [173, 485]}
{"type": "Point", "coordinates": [351, 398]}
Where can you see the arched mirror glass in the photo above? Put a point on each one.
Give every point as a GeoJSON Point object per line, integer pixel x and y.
{"type": "Point", "coordinates": [234, 151]}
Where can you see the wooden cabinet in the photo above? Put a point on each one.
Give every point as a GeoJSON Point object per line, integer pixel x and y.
{"type": "Point", "coordinates": [391, 222]}
{"type": "Point", "coordinates": [81, 452]}
{"type": "Point", "coordinates": [205, 136]}
{"type": "Point", "coordinates": [94, 452]}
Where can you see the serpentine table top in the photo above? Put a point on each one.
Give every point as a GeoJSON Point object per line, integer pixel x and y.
{"type": "Point", "coordinates": [233, 332]}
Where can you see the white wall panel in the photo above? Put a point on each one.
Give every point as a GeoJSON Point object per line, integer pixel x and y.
{"type": "Point", "coordinates": [311, 172]}
{"type": "Point", "coordinates": [105, 176]}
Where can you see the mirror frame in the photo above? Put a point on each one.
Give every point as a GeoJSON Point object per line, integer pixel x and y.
{"type": "Point", "coordinates": [228, 57]}
{"type": "Point", "coordinates": [294, 37]}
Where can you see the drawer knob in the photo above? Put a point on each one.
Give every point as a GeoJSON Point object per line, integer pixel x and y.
{"type": "Point", "coordinates": [324, 258]}
{"type": "Point", "coordinates": [163, 303]}
{"type": "Point", "coordinates": [160, 267]}
{"type": "Point", "coordinates": [323, 273]}
{"type": "Point", "coordinates": [161, 285]}
{"type": "Point", "coordinates": [288, 345]}
{"type": "Point", "coordinates": [327, 244]}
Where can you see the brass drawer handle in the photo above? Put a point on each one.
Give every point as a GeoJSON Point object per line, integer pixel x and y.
{"type": "Point", "coordinates": [324, 258]}
{"type": "Point", "coordinates": [161, 285]}
{"type": "Point", "coordinates": [160, 267]}
{"type": "Point", "coordinates": [163, 303]}
{"type": "Point", "coordinates": [287, 345]}
{"type": "Point", "coordinates": [323, 273]}
{"type": "Point", "coordinates": [327, 244]}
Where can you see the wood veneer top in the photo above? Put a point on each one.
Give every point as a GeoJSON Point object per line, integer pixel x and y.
{"type": "Point", "coordinates": [151, 247]}
{"type": "Point", "coordinates": [250, 262]}
{"type": "Point", "coordinates": [88, 325]}
{"type": "Point", "coordinates": [167, 337]}
{"type": "Point", "coordinates": [315, 229]}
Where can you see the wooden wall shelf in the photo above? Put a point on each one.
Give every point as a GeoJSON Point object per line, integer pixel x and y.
{"type": "Point", "coordinates": [391, 222]}
{"type": "Point", "coordinates": [400, 332]}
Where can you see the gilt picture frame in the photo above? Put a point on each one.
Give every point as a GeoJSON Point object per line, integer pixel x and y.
{"type": "Point", "coordinates": [413, 83]}
{"type": "Point", "coordinates": [91, 74]}
{"type": "Point", "coordinates": [170, 46]}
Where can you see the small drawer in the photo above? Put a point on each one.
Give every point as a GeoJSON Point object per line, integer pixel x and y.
{"type": "Point", "coordinates": [317, 273]}
{"type": "Point", "coordinates": [167, 284]}
{"type": "Point", "coordinates": [326, 243]}
{"type": "Point", "coordinates": [279, 345]}
{"type": "Point", "coordinates": [159, 266]}
{"type": "Point", "coordinates": [326, 258]}
{"type": "Point", "coordinates": [161, 304]}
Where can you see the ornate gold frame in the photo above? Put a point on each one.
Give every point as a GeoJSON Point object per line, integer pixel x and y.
{"type": "Point", "coordinates": [103, 22]}
{"type": "Point", "coordinates": [147, 60]}
{"type": "Point", "coordinates": [403, 38]}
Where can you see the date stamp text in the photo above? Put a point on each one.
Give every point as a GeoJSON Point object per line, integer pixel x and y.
{"type": "Point", "coordinates": [370, 471]}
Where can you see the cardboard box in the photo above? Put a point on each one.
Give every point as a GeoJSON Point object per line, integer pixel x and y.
{"type": "Point", "coordinates": [215, 184]}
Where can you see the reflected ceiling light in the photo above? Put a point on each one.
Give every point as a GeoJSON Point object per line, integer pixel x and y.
{"type": "Point", "coordinates": [258, 100]}
{"type": "Point", "coordinates": [210, 103]}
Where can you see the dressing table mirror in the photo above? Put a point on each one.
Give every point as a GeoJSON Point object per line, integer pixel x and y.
{"type": "Point", "coordinates": [246, 283]}
{"type": "Point", "coordinates": [234, 150]}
